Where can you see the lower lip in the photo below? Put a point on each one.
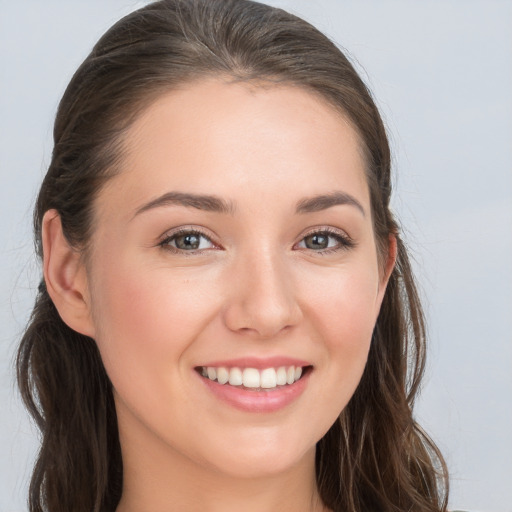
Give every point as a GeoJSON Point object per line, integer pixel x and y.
{"type": "Point", "coordinates": [271, 400]}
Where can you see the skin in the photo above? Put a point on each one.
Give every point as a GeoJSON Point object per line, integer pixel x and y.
{"type": "Point", "coordinates": [255, 288]}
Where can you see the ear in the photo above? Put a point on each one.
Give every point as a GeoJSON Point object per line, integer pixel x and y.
{"type": "Point", "coordinates": [65, 276]}
{"type": "Point", "coordinates": [391, 259]}
{"type": "Point", "coordinates": [388, 268]}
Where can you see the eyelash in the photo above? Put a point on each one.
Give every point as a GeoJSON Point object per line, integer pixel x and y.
{"type": "Point", "coordinates": [165, 243]}
{"type": "Point", "coordinates": [343, 241]}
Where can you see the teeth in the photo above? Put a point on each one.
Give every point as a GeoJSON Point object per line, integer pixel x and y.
{"type": "Point", "coordinates": [222, 375]}
{"type": "Point", "coordinates": [252, 377]}
{"type": "Point", "coordinates": [268, 378]}
{"type": "Point", "coordinates": [235, 377]}
{"type": "Point", "coordinates": [281, 376]}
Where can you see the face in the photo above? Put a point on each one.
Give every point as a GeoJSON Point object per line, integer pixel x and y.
{"type": "Point", "coordinates": [235, 245]}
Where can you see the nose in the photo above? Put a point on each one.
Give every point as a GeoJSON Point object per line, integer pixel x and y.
{"type": "Point", "coordinates": [261, 301]}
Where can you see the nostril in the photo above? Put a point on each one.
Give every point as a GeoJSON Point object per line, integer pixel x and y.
{"type": "Point", "coordinates": [264, 306]}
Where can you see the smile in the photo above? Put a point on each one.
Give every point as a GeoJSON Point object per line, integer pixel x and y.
{"type": "Point", "coordinates": [255, 385]}
{"type": "Point", "coordinates": [253, 378]}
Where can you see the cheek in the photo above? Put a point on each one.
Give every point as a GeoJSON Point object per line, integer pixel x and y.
{"type": "Point", "coordinates": [345, 305]}
{"type": "Point", "coordinates": [145, 319]}
{"type": "Point", "coordinates": [343, 312]}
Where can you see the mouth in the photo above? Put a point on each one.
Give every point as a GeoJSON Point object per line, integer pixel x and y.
{"type": "Point", "coordinates": [254, 379]}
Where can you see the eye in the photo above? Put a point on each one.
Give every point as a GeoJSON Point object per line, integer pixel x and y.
{"type": "Point", "coordinates": [187, 241]}
{"type": "Point", "coordinates": [326, 241]}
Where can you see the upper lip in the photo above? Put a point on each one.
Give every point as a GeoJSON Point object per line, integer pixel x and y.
{"type": "Point", "coordinates": [259, 363]}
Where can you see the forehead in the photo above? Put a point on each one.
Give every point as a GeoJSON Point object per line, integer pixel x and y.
{"type": "Point", "coordinates": [211, 135]}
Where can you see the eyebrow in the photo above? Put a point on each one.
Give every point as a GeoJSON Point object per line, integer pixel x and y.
{"type": "Point", "coordinates": [324, 201]}
{"type": "Point", "coordinates": [215, 204]}
{"type": "Point", "coordinates": [200, 201]}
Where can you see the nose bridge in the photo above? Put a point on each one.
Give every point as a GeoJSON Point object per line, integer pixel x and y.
{"type": "Point", "coordinates": [263, 299]}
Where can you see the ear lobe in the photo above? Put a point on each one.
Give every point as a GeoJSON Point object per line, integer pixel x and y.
{"type": "Point", "coordinates": [65, 276]}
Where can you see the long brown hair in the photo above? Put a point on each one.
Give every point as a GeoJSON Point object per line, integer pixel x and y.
{"type": "Point", "coordinates": [375, 457]}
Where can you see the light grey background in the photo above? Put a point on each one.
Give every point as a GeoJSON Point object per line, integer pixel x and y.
{"type": "Point", "coordinates": [442, 75]}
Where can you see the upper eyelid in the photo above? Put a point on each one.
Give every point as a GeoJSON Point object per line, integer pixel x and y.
{"type": "Point", "coordinates": [170, 233]}
{"type": "Point", "coordinates": [325, 229]}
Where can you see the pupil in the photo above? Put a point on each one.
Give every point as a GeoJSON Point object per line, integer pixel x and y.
{"type": "Point", "coordinates": [317, 241]}
{"type": "Point", "coordinates": [187, 242]}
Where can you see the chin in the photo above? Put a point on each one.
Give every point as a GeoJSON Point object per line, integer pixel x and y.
{"type": "Point", "coordinates": [260, 458]}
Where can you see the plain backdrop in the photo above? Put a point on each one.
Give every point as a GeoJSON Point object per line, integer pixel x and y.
{"type": "Point", "coordinates": [441, 72]}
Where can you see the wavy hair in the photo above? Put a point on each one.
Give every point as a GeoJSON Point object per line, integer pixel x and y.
{"type": "Point", "coordinates": [375, 456]}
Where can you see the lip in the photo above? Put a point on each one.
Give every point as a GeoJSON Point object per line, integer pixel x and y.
{"type": "Point", "coordinates": [262, 400]}
{"type": "Point", "coordinates": [259, 363]}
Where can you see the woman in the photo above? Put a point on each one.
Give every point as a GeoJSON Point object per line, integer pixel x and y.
{"type": "Point", "coordinates": [227, 319]}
